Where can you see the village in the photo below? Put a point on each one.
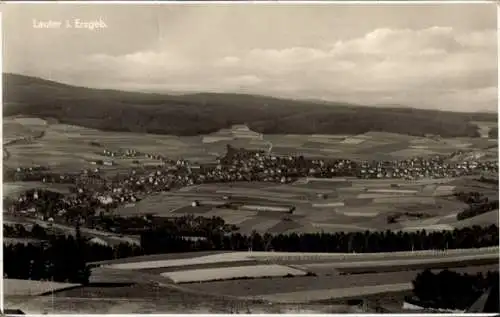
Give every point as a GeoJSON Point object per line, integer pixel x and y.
{"type": "Point", "coordinates": [94, 194]}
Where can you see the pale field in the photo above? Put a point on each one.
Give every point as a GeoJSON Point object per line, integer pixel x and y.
{"type": "Point", "coordinates": [26, 121]}
{"type": "Point", "coordinates": [227, 273]}
{"type": "Point", "coordinates": [366, 209]}
{"type": "Point", "coordinates": [444, 190]}
{"type": "Point", "coordinates": [436, 181]}
{"type": "Point", "coordinates": [412, 152]}
{"type": "Point", "coordinates": [225, 257]}
{"type": "Point", "coordinates": [327, 136]}
{"type": "Point", "coordinates": [330, 204]}
{"type": "Point", "coordinates": [419, 147]}
{"type": "Point", "coordinates": [26, 287]}
{"type": "Point", "coordinates": [360, 214]}
{"type": "Point", "coordinates": [221, 212]}
{"type": "Point", "coordinates": [405, 200]}
{"type": "Point", "coordinates": [360, 265]}
{"type": "Point", "coordinates": [423, 141]}
{"type": "Point", "coordinates": [255, 193]}
{"type": "Point", "coordinates": [429, 228]}
{"type": "Point", "coordinates": [327, 180]}
{"type": "Point", "coordinates": [392, 191]}
{"type": "Point", "coordinates": [354, 141]}
{"type": "Point", "coordinates": [295, 189]}
{"type": "Point", "coordinates": [384, 184]}
{"type": "Point", "coordinates": [334, 227]}
{"type": "Point", "coordinates": [387, 136]}
{"type": "Point", "coordinates": [141, 263]}
{"type": "Point", "coordinates": [321, 143]}
{"type": "Point", "coordinates": [376, 196]}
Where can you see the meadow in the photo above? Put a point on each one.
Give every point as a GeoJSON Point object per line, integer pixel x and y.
{"type": "Point", "coordinates": [350, 205]}
{"type": "Point", "coordinates": [16, 287]}
{"type": "Point", "coordinates": [281, 277]}
{"type": "Point", "coordinates": [231, 273]}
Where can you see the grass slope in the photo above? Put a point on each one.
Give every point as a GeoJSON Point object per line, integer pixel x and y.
{"type": "Point", "coordinates": [208, 112]}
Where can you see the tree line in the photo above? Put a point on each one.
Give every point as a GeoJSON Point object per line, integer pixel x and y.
{"type": "Point", "coordinates": [451, 290]}
{"type": "Point", "coordinates": [64, 258]}
{"type": "Point", "coordinates": [163, 241]}
{"type": "Point", "coordinates": [478, 204]}
{"type": "Point", "coordinates": [59, 258]}
{"type": "Point", "coordinates": [492, 181]}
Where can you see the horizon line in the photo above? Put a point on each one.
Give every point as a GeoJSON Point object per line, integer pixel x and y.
{"type": "Point", "coordinates": [326, 102]}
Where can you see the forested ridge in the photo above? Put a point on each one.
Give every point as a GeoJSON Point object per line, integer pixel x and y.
{"type": "Point", "coordinates": [209, 112]}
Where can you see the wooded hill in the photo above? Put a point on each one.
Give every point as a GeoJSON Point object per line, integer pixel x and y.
{"type": "Point", "coordinates": [202, 113]}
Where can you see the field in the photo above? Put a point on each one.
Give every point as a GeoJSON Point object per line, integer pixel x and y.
{"type": "Point", "coordinates": [231, 273]}
{"type": "Point", "coordinates": [324, 290]}
{"type": "Point", "coordinates": [316, 295]}
{"type": "Point", "coordinates": [15, 287]}
{"type": "Point", "coordinates": [347, 205]}
{"type": "Point", "coordinates": [68, 147]}
{"type": "Point", "coordinates": [325, 278]}
{"type": "Point", "coordinates": [14, 189]}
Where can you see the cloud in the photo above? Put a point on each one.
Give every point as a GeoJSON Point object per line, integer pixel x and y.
{"type": "Point", "coordinates": [227, 61]}
{"type": "Point", "coordinates": [244, 80]}
{"type": "Point", "coordinates": [437, 67]}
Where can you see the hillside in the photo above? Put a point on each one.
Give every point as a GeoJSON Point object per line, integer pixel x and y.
{"type": "Point", "coordinates": [209, 112]}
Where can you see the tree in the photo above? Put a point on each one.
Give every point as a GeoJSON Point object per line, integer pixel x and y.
{"type": "Point", "coordinates": [493, 133]}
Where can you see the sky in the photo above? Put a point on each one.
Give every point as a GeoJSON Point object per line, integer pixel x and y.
{"type": "Point", "coordinates": [432, 56]}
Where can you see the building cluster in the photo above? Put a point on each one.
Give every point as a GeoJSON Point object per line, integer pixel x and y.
{"type": "Point", "coordinates": [419, 168]}
{"type": "Point", "coordinates": [131, 153]}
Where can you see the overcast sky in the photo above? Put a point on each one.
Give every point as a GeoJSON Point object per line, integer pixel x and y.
{"type": "Point", "coordinates": [427, 56]}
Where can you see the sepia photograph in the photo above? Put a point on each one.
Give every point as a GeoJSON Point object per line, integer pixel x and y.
{"type": "Point", "coordinates": [250, 158]}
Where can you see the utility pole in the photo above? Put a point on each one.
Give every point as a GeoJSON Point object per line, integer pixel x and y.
{"type": "Point", "coordinates": [52, 293]}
